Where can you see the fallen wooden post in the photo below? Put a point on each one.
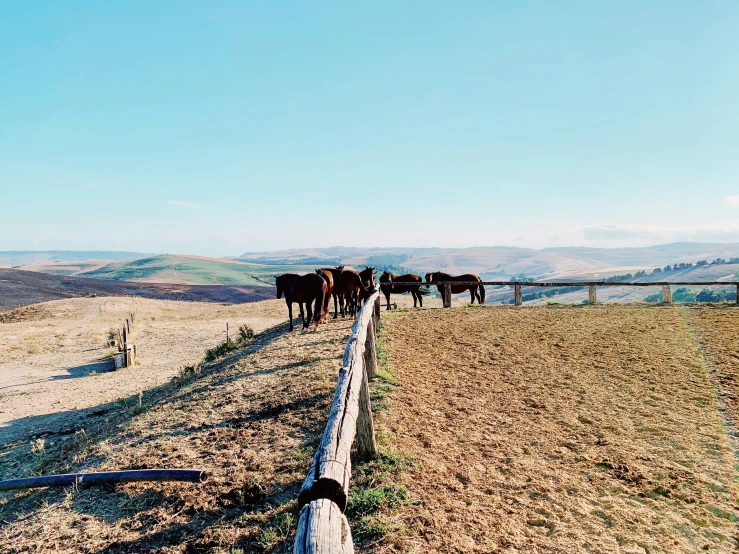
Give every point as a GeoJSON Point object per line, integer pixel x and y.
{"type": "Point", "coordinates": [105, 477]}
{"type": "Point", "coordinates": [331, 470]}
{"type": "Point", "coordinates": [322, 529]}
{"type": "Point", "coordinates": [592, 299]}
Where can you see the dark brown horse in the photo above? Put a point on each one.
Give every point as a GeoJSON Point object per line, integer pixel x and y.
{"type": "Point", "coordinates": [368, 276]}
{"type": "Point", "coordinates": [350, 285]}
{"type": "Point", "coordinates": [303, 289]}
{"type": "Point", "coordinates": [476, 291]}
{"type": "Point", "coordinates": [329, 278]}
{"type": "Point", "coordinates": [387, 286]}
{"type": "Point", "coordinates": [338, 296]}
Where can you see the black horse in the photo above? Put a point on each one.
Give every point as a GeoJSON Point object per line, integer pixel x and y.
{"type": "Point", "coordinates": [387, 286]}
{"type": "Point", "coordinates": [303, 289]}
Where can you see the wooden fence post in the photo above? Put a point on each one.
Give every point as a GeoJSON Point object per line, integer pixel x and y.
{"type": "Point", "coordinates": [378, 311]}
{"type": "Point", "coordinates": [592, 299]}
{"type": "Point", "coordinates": [666, 294]}
{"type": "Point", "coordinates": [517, 296]}
{"type": "Point", "coordinates": [370, 353]}
{"type": "Point", "coordinates": [366, 445]}
{"type": "Point", "coordinates": [447, 296]}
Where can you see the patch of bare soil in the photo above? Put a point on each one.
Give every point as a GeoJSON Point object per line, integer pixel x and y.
{"type": "Point", "coordinates": [53, 356]}
{"type": "Point", "coordinates": [252, 420]}
{"type": "Point", "coordinates": [594, 429]}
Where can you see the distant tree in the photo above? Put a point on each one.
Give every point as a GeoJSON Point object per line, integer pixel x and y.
{"type": "Point", "coordinates": [657, 270]}
{"type": "Point", "coordinates": [718, 261]}
{"type": "Point", "coordinates": [652, 298]}
{"type": "Point", "coordinates": [701, 263]}
{"type": "Point", "coordinates": [707, 295]}
{"type": "Point", "coordinates": [668, 267]}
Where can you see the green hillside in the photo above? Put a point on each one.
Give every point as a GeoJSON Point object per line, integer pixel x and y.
{"type": "Point", "coordinates": [199, 271]}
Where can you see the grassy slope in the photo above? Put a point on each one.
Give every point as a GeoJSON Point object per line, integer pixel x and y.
{"type": "Point", "coordinates": [199, 271]}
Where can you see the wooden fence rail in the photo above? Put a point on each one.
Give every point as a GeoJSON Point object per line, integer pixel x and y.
{"type": "Point", "coordinates": [322, 525]}
{"type": "Point", "coordinates": [445, 287]}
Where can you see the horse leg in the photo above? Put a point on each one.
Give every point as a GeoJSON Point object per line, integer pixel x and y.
{"type": "Point", "coordinates": [309, 316]}
{"type": "Point", "coordinates": [387, 297]}
{"type": "Point", "coordinates": [336, 306]}
{"type": "Point", "coordinates": [302, 317]}
{"type": "Point", "coordinates": [290, 312]}
{"type": "Point", "coordinates": [420, 298]}
{"type": "Point", "coordinates": [472, 295]}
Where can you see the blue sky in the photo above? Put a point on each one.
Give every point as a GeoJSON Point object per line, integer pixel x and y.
{"type": "Point", "coordinates": [222, 127]}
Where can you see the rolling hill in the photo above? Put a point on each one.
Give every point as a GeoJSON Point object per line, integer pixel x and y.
{"type": "Point", "coordinates": [500, 262]}
{"type": "Point", "coordinates": [192, 270]}
{"type": "Point", "coordinates": [12, 258]}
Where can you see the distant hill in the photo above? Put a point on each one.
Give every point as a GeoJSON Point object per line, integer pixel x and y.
{"type": "Point", "coordinates": [193, 270]}
{"type": "Point", "coordinates": [501, 262]}
{"type": "Point", "coordinates": [19, 288]}
{"type": "Point", "coordinates": [9, 258]}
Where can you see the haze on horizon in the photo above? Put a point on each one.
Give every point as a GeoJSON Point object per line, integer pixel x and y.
{"type": "Point", "coordinates": [220, 129]}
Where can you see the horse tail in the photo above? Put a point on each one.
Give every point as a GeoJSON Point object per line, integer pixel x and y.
{"type": "Point", "coordinates": [482, 294]}
{"type": "Point", "coordinates": [358, 280]}
{"type": "Point", "coordinates": [321, 298]}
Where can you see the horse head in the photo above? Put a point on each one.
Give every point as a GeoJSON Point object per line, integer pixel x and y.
{"type": "Point", "coordinates": [280, 285]}
{"type": "Point", "coordinates": [340, 267]}
{"type": "Point", "coordinates": [430, 277]}
{"type": "Point", "coordinates": [386, 277]}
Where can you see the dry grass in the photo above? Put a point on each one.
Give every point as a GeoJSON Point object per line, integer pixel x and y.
{"type": "Point", "coordinates": [253, 420]}
{"type": "Point", "coordinates": [54, 357]}
{"type": "Point", "coordinates": [562, 430]}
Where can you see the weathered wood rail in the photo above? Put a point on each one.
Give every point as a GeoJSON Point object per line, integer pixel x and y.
{"type": "Point", "coordinates": [445, 287]}
{"type": "Point", "coordinates": [322, 525]}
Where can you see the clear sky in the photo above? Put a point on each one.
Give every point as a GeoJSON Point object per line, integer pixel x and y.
{"type": "Point", "coordinates": [222, 127]}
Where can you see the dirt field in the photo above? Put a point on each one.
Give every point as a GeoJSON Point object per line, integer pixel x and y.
{"type": "Point", "coordinates": [52, 362]}
{"type": "Point", "coordinates": [253, 420]}
{"type": "Point", "coordinates": [566, 430]}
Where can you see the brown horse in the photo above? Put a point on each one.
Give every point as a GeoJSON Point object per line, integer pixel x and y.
{"type": "Point", "coordinates": [368, 276]}
{"type": "Point", "coordinates": [303, 289]}
{"type": "Point", "coordinates": [351, 286]}
{"type": "Point", "coordinates": [329, 277]}
{"type": "Point", "coordinates": [387, 286]}
{"type": "Point", "coordinates": [476, 291]}
{"type": "Point", "coordinates": [338, 296]}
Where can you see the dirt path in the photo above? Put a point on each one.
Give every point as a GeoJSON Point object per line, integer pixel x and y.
{"type": "Point", "coordinates": [560, 430]}
{"type": "Point", "coordinates": [54, 364]}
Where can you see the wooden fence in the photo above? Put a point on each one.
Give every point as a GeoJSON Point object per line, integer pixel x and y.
{"type": "Point", "coordinates": [446, 287]}
{"type": "Point", "coordinates": [322, 525]}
